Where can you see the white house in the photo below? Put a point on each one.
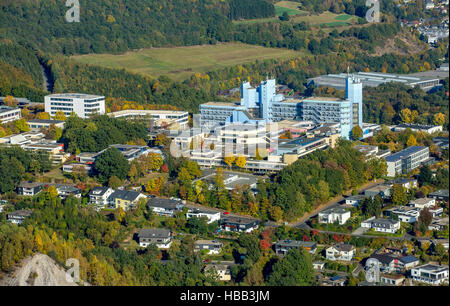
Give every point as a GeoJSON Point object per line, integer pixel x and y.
{"type": "Point", "coordinates": [18, 216]}
{"type": "Point", "coordinates": [99, 196]}
{"type": "Point", "coordinates": [83, 105]}
{"type": "Point", "coordinates": [431, 274]}
{"type": "Point", "coordinates": [332, 215]}
{"type": "Point", "coordinates": [405, 214]}
{"type": "Point", "coordinates": [423, 202]}
{"type": "Point", "coordinates": [211, 215]}
{"type": "Point", "coordinates": [382, 225]}
{"type": "Point", "coordinates": [162, 238]}
{"type": "Point", "coordinates": [165, 207]}
{"type": "Point", "coordinates": [341, 251]}
{"type": "Point", "coordinates": [213, 246]}
{"type": "Point", "coordinates": [223, 270]}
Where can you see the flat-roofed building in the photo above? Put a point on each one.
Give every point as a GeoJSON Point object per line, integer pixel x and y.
{"type": "Point", "coordinates": [38, 124]}
{"type": "Point", "coordinates": [407, 160]}
{"type": "Point", "coordinates": [212, 246]}
{"type": "Point", "coordinates": [335, 214]}
{"type": "Point", "coordinates": [8, 114]}
{"type": "Point", "coordinates": [432, 274]}
{"type": "Point", "coordinates": [282, 247]}
{"type": "Point", "coordinates": [170, 119]}
{"type": "Point", "coordinates": [429, 129]}
{"type": "Point", "coordinates": [84, 105]}
{"type": "Point", "coordinates": [374, 79]}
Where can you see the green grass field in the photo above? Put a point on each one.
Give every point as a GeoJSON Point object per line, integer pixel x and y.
{"type": "Point", "coordinates": [290, 7]}
{"type": "Point", "coordinates": [326, 19]}
{"type": "Point", "coordinates": [181, 62]}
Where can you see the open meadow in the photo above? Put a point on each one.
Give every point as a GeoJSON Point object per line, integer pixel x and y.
{"type": "Point", "coordinates": [181, 62]}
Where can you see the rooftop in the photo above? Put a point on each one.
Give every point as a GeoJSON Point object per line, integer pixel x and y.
{"type": "Point", "coordinates": [154, 233]}
{"type": "Point", "coordinates": [44, 121]}
{"type": "Point", "coordinates": [404, 153]}
{"type": "Point", "coordinates": [165, 203]}
{"type": "Point", "coordinates": [127, 195]}
{"type": "Point", "coordinates": [74, 96]}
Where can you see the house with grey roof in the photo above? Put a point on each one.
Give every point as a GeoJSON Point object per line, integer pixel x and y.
{"type": "Point", "coordinates": [165, 207]}
{"type": "Point", "coordinates": [211, 215]}
{"type": "Point", "coordinates": [382, 225]}
{"type": "Point", "coordinates": [125, 199]}
{"type": "Point", "coordinates": [161, 237]}
{"type": "Point", "coordinates": [212, 246]}
{"type": "Point", "coordinates": [18, 216]}
{"type": "Point", "coordinates": [99, 196]}
{"type": "Point", "coordinates": [432, 274]}
{"type": "Point", "coordinates": [340, 251]}
{"type": "Point", "coordinates": [30, 188]}
{"type": "Point", "coordinates": [334, 214]}
{"type": "Point", "coordinates": [282, 247]}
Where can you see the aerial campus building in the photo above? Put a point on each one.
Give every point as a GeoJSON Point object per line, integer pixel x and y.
{"type": "Point", "coordinates": [263, 104]}
{"type": "Point", "coordinates": [83, 105]}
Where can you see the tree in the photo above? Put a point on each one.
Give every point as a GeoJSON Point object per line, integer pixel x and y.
{"type": "Point", "coordinates": [425, 217]}
{"type": "Point", "coordinates": [425, 175]}
{"type": "Point", "coordinates": [114, 182]}
{"type": "Point", "coordinates": [285, 16]}
{"type": "Point", "coordinates": [229, 160]}
{"type": "Point", "coordinates": [412, 141]}
{"type": "Point", "coordinates": [405, 115]}
{"type": "Point", "coordinates": [59, 115]}
{"type": "Point", "coordinates": [356, 132]}
{"type": "Point", "coordinates": [22, 125]}
{"type": "Point", "coordinates": [111, 163]}
{"type": "Point", "coordinates": [241, 161]}
{"type": "Point", "coordinates": [295, 269]}
{"type": "Point", "coordinates": [439, 119]}
{"type": "Point", "coordinates": [43, 116]}
{"type": "Point", "coordinates": [399, 196]}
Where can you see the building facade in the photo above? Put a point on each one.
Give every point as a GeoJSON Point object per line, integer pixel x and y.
{"type": "Point", "coordinates": [406, 160]}
{"type": "Point", "coordinates": [83, 105]}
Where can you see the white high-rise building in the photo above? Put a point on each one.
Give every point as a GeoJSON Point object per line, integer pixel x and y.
{"type": "Point", "coordinates": [83, 105]}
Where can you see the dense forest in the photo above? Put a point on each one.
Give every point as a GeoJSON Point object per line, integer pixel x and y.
{"type": "Point", "coordinates": [249, 9]}
{"type": "Point", "coordinates": [96, 134]}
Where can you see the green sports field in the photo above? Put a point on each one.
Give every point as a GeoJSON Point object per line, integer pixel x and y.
{"type": "Point", "coordinates": [181, 62]}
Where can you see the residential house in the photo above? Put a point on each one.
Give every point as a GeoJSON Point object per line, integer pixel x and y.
{"type": "Point", "coordinates": [213, 246]}
{"type": "Point", "coordinates": [223, 270]}
{"type": "Point", "coordinates": [162, 238]}
{"type": "Point", "coordinates": [384, 191]}
{"type": "Point", "coordinates": [405, 213]}
{"type": "Point", "coordinates": [341, 251]}
{"type": "Point", "coordinates": [30, 188]}
{"type": "Point", "coordinates": [211, 215]}
{"type": "Point", "coordinates": [318, 265]}
{"type": "Point", "coordinates": [334, 281]}
{"type": "Point", "coordinates": [387, 262]}
{"type": "Point", "coordinates": [439, 224]}
{"type": "Point", "coordinates": [355, 200]}
{"type": "Point", "coordinates": [392, 279]}
{"type": "Point", "coordinates": [423, 202]}
{"type": "Point", "coordinates": [443, 242]}
{"type": "Point", "coordinates": [404, 182]}
{"type": "Point", "coordinates": [38, 124]}
{"type": "Point", "coordinates": [432, 274]}
{"type": "Point", "coordinates": [165, 207]}
{"type": "Point", "coordinates": [125, 199]}
{"type": "Point", "coordinates": [18, 216]}
{"type": "Point", "coordinates": [282, 247]}
{"type": "Point", "coordinates": [99, 196]}
{"type": "Point", "coordinates": [67, 190]}
{"type": "Point", "coordinates": [408, 262]}
{"type": "Point", "coordinates": [333, 215]}
{"type": "Point", "coordinates": [382, 225]}
{"type": "Point", "coordinates": [238, 224]}
{"type": "Point", "coordinates": [439, 195]}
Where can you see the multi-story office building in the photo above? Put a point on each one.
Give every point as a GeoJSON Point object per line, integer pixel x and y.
{"type": "Point", "coordinates": [8, 114]}
{"type": "Point", "coordinates": [406, 160]}
{"type": "Point", "coordinates": [264, 104]}
{"type": "Point", "coordinates": [83, 105]}
{"type": "Point", "coordinates": [158, 118]}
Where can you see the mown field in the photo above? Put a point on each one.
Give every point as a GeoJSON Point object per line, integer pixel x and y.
{"type": "Point", "coordinates": [181, 62]}
{"type": "Point", "coordinates": [326, 19]}
{"type": "Point", "coordinates": [290, 7]}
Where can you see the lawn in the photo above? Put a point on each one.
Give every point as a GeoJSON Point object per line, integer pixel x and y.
{"type": "Point", "coordinates": [325, 18]}
{"type": "Point", "coordinates": [290, 7]}
{"type": "Point", "coordinates": [181, 62]}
